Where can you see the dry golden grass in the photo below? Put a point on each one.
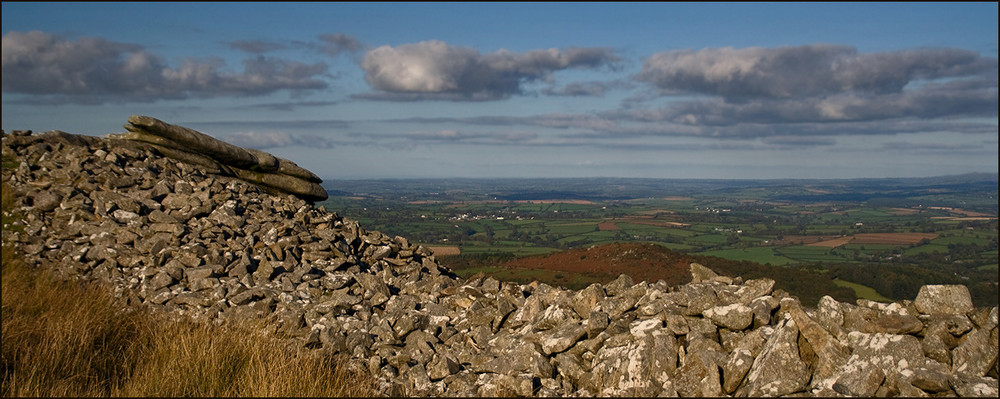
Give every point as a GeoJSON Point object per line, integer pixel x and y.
{"type": "Point", "coordinates": [64, 338]}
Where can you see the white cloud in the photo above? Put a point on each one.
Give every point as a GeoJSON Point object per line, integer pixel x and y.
{"type": "Point", "coordinates": [806, 71]}
{"type": "Point", "coordinates": [94, 70]}
{"type": "Point", "coordinates": [437, 70]}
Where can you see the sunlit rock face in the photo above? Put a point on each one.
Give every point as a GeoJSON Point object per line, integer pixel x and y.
{"type": "Point", "coordinates": [180, 236]}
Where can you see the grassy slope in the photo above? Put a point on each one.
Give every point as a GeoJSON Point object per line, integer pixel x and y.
{"type": "Point", "coordinates": [61, 338]}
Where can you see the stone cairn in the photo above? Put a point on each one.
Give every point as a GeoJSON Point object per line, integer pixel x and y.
{"type": "Point", "coordinates": [180, 230]}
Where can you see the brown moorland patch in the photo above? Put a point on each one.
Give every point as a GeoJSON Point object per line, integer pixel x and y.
{"type": "Point", "coordinates": [608, 226]}
{"type": "Point", "coordinates": [832, 243]}
{"type": "Point", "coordinates": [641, 261]}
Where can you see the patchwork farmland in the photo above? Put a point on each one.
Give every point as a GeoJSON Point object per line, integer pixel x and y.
{"type": "Point", "coordinates": [885, 224]}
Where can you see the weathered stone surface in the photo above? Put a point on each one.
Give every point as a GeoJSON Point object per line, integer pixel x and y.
{"type": "Point", "coordinates": [830, 353]}
{"type": "Point", "coordinates": [968, 386]}
{"type": "Point", "coordinates": [562, 338]}
{"type": "Point", "coordinates": [929, 378]}
{"type": "Point", "coordinates": [46, 201]}
{"type": "Point", "coordinates": [976, 354]}
{"type": "Point", "coordinates": [944, 299]}
{"type": "Point", "coordinates": [735, 369]}
{"type": "Point", "coordinates": [778, 370]}
{"type": "Point", "coordinates": [701, 273]}
{"type": "Point", "coordinates": [859, 382]}
{"type": "Point", "coordinates": [641, 368]}
{"type": "Point", "coordinates": [734, 317]}
{"type": "Point", "coordinates": [223, 158]}
{"type": "Point", "coordinates": [699, 376]}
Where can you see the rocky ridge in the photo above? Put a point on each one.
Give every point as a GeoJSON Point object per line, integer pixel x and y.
{"type": "Point", "coordinates": [171, 235]}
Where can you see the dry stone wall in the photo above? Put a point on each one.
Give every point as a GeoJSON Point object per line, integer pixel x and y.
{"type": "Point", "coordinates": [170, 235]}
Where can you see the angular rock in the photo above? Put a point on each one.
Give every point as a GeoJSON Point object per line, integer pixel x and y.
{"type": "Point", "coordinates": [735, 369]}
{"type": "Point", "coordinates": [562, 338]}
{"type": "Point", "coordinates": [778, 370]}
{"type": "Point", "coordinates": [442, 366]}
{"type": "Point", "coordinates": [944, 299]}
{"type": "Point", "coordinates": [831, 354]}
{"type": "Point", "coordinates": [968, 386]}
{"type": "Point", "coordinates": [976, 354]}
{"type": "Point", "coordinates": [700, 273]}
{"type": "Point", "coordinates": [641, 368]}
{"type": "Point", "coordinates": [46, 201]}
{"type": "Point", "coordinates": [734, 317]}
{"type": "Point", "coordinates": [699, 376]}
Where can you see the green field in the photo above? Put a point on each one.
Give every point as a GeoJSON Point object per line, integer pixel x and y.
{"type": "Point", "coordinates": [734, 220]}
{"type": "Point", "coordinates": [811, 254]}
{"type": "Point", "coordinates": [759, 255]}
{"type": "Point", "coordinates": [926, 249]}
{"type": "Point", "coordinates": [862, 291]}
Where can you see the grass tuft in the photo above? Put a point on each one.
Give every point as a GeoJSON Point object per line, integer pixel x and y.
{"type": "Point", "coordinates": [61, 338]}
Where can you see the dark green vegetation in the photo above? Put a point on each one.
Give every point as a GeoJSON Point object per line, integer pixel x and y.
{"type": "Point", "coordinates": [890, 235]}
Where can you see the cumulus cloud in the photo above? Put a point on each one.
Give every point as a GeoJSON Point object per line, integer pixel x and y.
{"type": "Point", "coordinates": [437, 70]}
{"type": "Point", "coordinates": [332, 44]}
{"type": "Point", "coordinates": [97, 70]}
{"type": "Point", "coordinates": [337, 43]}
{"type": "Point", "coordinates": [586, 89]}
{"type": "Point", "coordinates": [931, 101]}
{"type": "Point", "coordinates": [263, 140]}
{"type": "Point", "coordinates": [805, 71]}
{"type": "Point", "coordinates": [793, 87]}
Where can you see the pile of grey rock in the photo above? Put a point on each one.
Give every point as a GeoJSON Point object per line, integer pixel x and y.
{"type": "Point", "coordinates": [170, 235]}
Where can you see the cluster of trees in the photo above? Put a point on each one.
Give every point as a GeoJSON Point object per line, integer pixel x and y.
{"type": "Point", "coordinates": [899, 282]}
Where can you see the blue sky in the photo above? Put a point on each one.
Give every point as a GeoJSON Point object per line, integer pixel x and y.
{"type": "Point", "coordinates": [412, 90]}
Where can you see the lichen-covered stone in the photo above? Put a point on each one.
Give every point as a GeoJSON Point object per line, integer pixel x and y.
{"type": "Point", "coordinates": [944, 299]}
{"type": "Point", "coordinates": [734, 317]}
{"type": "Point", "coordinates": [778, 370]}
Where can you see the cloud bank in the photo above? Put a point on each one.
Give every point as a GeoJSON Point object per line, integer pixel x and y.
{"type": "Point", "coordinates": [806, 71]}
{"type": "Point", "coordinates": [95, 70]}
{"type": "Point", "coordinates": [434, 70]}
{"type": "Point", "coordinates": [819, 84]}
